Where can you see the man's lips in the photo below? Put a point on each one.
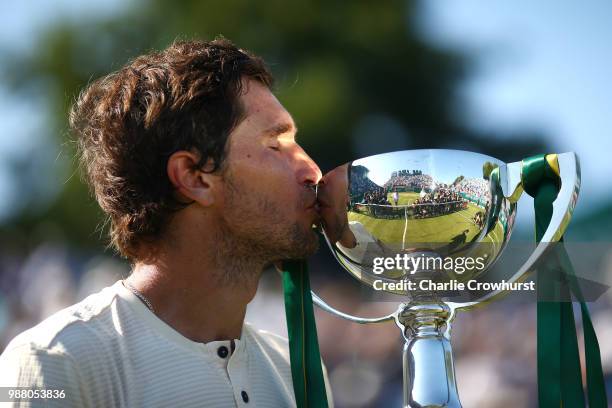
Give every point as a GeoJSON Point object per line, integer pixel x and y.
{"type": "Point", "coordinates": [315, 210]}
{"type": "Point", "coordinates": [323, 204]}
{"type": "Point", "coordinates": [315, 206]}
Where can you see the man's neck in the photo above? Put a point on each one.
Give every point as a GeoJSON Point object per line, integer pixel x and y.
{"type": "Point", "coordinates": [194, 295]}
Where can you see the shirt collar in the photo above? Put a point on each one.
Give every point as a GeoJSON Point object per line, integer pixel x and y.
{"type": "Point", "coordinates": [162, 328]}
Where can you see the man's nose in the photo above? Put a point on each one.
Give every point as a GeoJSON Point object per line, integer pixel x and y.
{"type": "Point", "coordinates": [308, 173]}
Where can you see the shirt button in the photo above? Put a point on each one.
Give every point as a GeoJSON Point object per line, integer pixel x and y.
{"type": "Point", "coordinates": [245, 396]}
{"type": "Point", "coordinates": [222, 352]}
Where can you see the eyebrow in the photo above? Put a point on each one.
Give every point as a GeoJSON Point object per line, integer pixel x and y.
{"type": "Point", "coordinates": [280, 129]}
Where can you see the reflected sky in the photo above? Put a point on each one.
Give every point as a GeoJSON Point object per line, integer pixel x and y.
{"type": "Point", "coordinates": [443, 165]}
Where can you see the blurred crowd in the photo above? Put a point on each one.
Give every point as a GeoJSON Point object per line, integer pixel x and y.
{"type": "Point", "coordinates": [51, 277]}
{"type": "Point", "coordinates": [494, 346]}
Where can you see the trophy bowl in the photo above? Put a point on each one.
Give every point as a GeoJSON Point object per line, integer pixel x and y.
{"type": "Point", "coordinates": [428, 225]}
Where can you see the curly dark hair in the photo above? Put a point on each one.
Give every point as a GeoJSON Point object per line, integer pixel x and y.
{"type": "Point", "coordinates": [130, 122]}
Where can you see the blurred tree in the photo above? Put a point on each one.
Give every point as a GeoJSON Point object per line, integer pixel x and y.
{"type": "Point", "coordinates": [347, 71]}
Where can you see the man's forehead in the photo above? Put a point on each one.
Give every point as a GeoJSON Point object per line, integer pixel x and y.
{"type": "Point", "coordinates": [263, 110]}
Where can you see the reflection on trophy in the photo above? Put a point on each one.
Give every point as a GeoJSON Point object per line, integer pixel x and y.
{"type": "Point", "coordinates": [400, 223]}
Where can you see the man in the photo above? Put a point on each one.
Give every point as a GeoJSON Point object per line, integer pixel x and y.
{"type": "Point", "coordinates": [195, 163]}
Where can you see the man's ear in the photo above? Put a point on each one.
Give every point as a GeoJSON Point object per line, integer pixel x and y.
{"type": "Point", "coordinates": [190, 181]}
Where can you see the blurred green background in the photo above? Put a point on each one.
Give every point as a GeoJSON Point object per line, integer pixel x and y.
{"type": "Point", "coordinates": [360, 78]}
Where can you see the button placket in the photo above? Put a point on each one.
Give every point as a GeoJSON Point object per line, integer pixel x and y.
{"type": "Point", "coordinates": [237, 371]}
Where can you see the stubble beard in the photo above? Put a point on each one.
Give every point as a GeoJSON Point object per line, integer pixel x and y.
{"type": "Point", "coordinates": [251, 237]}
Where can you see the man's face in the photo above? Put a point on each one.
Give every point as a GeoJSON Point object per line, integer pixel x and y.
{"type": "Point", "coordinates": [269, 203]}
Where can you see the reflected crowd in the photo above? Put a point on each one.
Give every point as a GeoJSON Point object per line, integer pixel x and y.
{"type": "Point", "coordinates": [433, 198]}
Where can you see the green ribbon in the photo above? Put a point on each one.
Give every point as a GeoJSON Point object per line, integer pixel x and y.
{"type": "Point", "coordinates": [306, 368]}
{"type": "Point", "coordinates": [559, 373]}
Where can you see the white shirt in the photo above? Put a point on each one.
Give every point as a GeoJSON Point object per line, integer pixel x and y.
{"type": "Point", "coordinates": [110, 350]}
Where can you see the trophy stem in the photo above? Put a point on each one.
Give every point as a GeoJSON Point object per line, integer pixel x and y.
{"type": "Point", "coordinates": [429, 372]}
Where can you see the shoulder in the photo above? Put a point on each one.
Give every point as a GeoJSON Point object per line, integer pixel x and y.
{"type": "Point", "coordinates": [269, 342]}
{"type": "Point", "coordinates": [68, 331]}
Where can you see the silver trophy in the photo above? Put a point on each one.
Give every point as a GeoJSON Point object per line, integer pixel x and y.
{"type": "Point", "coordinates": [400, 222]}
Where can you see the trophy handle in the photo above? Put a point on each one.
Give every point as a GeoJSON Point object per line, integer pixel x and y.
{"type": "Point", "coordinates": [362, 320]}
{"type": "Point", "coordinates": [568, 168]}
